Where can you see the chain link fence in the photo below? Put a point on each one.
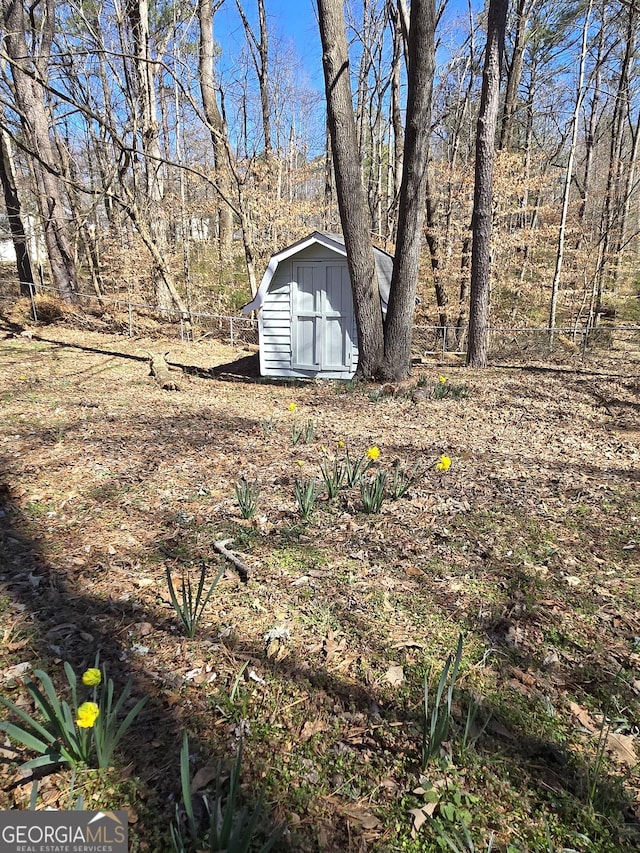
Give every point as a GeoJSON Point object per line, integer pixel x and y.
{"type": "Point", "coordinates": [124, 316]}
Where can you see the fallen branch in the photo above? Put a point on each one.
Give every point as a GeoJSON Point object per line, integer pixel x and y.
{"type": "Point", "coordinates": [160, 371]}
{"type": "Point", "coordinates": [221, 547]}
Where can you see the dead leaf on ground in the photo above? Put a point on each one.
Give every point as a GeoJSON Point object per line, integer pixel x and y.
{"type": "Point", "coordinates": [395, 675]}
{"type": "Point", "coordinates": [311, 728]}
{"type": "Point", "coordinates": [582, 715]}
{"type": "Point", "coordinates": [623, 748]}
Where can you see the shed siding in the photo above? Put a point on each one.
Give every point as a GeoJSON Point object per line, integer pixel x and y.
{"type": "Point", "coordinates": [275, 326]}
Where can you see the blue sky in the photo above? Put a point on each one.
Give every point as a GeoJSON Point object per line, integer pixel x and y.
{"type": "Point", "coordinates": [292, 21]}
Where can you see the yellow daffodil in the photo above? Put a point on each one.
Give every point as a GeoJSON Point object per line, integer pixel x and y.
{"type": "Point", "coordinates": [87, 715]}
{"type": "Point", "coordinates": [373, 453]}
{"type": "Point", "coordinates": [340, 444]}
{"type": "Point", "coordinates": [300, 462]}
{"type": "Point", "coordinates": [442, 379]}
{"type": "Point", "coordinates": [444, 463]}
{"type": "Point", "coordinates": [292, 407]}
{"type": "Point", "coordinates": [92, 677]}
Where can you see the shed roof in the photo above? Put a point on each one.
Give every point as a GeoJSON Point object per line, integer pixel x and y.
{"type": "Point", "coordinates": [335, 243]}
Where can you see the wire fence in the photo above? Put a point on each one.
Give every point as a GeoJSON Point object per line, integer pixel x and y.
{"type": "Point", "coordinates": [138, 319]}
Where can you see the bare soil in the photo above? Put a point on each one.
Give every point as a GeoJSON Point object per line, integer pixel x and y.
{"type": "Point", "coordinates": [528, 544]}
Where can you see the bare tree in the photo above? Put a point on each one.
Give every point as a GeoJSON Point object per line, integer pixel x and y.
{"type": "Point", "coordinates": [206, 12]}
{"type": "Point", "coordinates": [555, 285]}
{"type": "Point", "coordinates": [483, 190]}
{"type": "Point", "coordinates": [352, 201]}
{"type": "Point", "coordinates": [259, 49]}
{"type": "Point", "coordinates": [14, 213]}
{"type": "Point", "coordinates": [413, 191]}
{"type": "Point", "coordinates": [29, 55]}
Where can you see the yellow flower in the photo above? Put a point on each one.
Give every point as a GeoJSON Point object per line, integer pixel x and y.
{"type": "Point", "coordinates": [87, 715]}
{"type": "Point", "coordinates": [442, 379]}
{"type": "Point", "coordinates": [292, 407]}
{"type": "Point", "coordinates": [300, 462]}
{"type": "Point", "coordinates": [373, 453]}
{"type": "Point", "coordinates": [340, 443]}
{"type": "Point", "coordinates": [92, 677]}
{"type": "Point", "coordinates": [444, 464]}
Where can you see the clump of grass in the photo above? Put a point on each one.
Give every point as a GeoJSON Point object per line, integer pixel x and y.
{"type": "Point", "coordinates": [247, 494]}
{"type": "Point", "coordinates": [190, 607]}
{"type": "Point", "coordinates": [303, 433]}
{"type": "Point", "coordinates": [227, 826]}
{"type": "Point", "coordinates": [372, 492]}
{"type": "Point", "coordinates": [402, 480]}
{"type": "Point", "coordinates": [436, 722]}
{"type": "Point", "coordinates": [306, 492]}
{"type": "Point", "coordinates": [333, 477]}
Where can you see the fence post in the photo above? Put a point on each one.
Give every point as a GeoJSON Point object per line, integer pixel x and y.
{"type": "Point", "coordinates": [444, 342]}
{"type": "Point", "coordinates": [33, 300]}
{"type": "Point", "coordinates": [231, 330]}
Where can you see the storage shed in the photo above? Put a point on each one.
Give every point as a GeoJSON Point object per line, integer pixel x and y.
{"type": "Point", "coordinates": [306, 321]}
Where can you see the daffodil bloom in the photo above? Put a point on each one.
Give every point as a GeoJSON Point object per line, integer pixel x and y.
{"type": "Point", "coordinates": [292, 407]}
{"type": "Point", "coordinates": [444, 464]}
{"type": "Point", "coordinates": [92, 677]}
{"type": "Point", "coordinates": [442, 379]}
{"type": "Point", "coordinates": [340, 444]}
{"type": "Point", "coordinates": [373, 453]}
{"type": "Point", "coordinates": [300, 462]}
{"type": "Point", "coordinates": [87, 715]}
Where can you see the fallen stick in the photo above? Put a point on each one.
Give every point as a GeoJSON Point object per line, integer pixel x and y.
{"type": "Point", "coordinates": [221, 547]}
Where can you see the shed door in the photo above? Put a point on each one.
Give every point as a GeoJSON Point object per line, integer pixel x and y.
{"type": "Point", "coordinates": [323, 317]}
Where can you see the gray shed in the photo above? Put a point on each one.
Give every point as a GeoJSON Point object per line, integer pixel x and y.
{"type": "Point", "coordinates": [306, 322]}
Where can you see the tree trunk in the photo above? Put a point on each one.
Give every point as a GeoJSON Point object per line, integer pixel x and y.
{"type": "Point", "coordinates": [515, 75]}
{"type": "Point", "coordinates": [259, 49]}
{"type": "Point", "coordinates": [483, 189]}
{"type": "Point", "coordinates": [28, 67]}
{"type": "Point", "coordinates": [413, 191]}
{"type": "Point", "coordinates": [14, 214]}
{"type": "Point", "coordinates": [206, 11]}
{"type": "Point", "coordinates": [352, 200]}
{"type": "Point", "coordinates": [555, 286]}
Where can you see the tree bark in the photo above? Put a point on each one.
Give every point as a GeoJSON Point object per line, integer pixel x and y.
{"type": "Point", "coordinates": [14, 214]}
{"type": "Point", "coordinates": [206, 11]}
{"type": "Point", "coordinates": [555, 285]}
{"type": "Point", "coordinates": [352, 200]}
{"type": "Point", "coordinates": [483, 189]}
{"type": "Point", "coordinates": [413, 192]}
{"type": "Point", "coordinates": [514, 76]}
{"type": "Point", "coordinates": [28, 69]}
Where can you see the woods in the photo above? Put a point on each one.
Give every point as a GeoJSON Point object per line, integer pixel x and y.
{"type": "Point", "coordinates": [152, 155]}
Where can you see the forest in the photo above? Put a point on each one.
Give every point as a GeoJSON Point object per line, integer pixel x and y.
{"type": "Point", "coordinates": [242, 613]}
{"type": "Point", "coordinates": [140, 156]}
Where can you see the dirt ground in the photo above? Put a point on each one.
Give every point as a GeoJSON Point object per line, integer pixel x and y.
{"type": "Point", "coordinates": [529, 544]}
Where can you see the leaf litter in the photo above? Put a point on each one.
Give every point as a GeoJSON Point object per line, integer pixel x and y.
{"type": "Point", "coordinates": [527, 543]}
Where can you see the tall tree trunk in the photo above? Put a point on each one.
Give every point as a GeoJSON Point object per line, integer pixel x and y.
{"type": "Point", "coordinates": [483, 189]}
{"type": "Point", "coordinates": [413, 192]}
{"type": "Point", "coordinates": [555, 286]}
{"type": "Point", "coordinates": [515, 75]}
{"type": "Point", "coordinates": [612, 201]}
{"type": "Point", "coordinates": [352, 200]}
{"type": "Point", "coordinates": [259, 48]}
{"type": "Point", "coordinates": [28, 70]}
{"type": "Point", "coordinates": [206, 11]}
{"type": "Point", "coordinates": [14, 214]}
